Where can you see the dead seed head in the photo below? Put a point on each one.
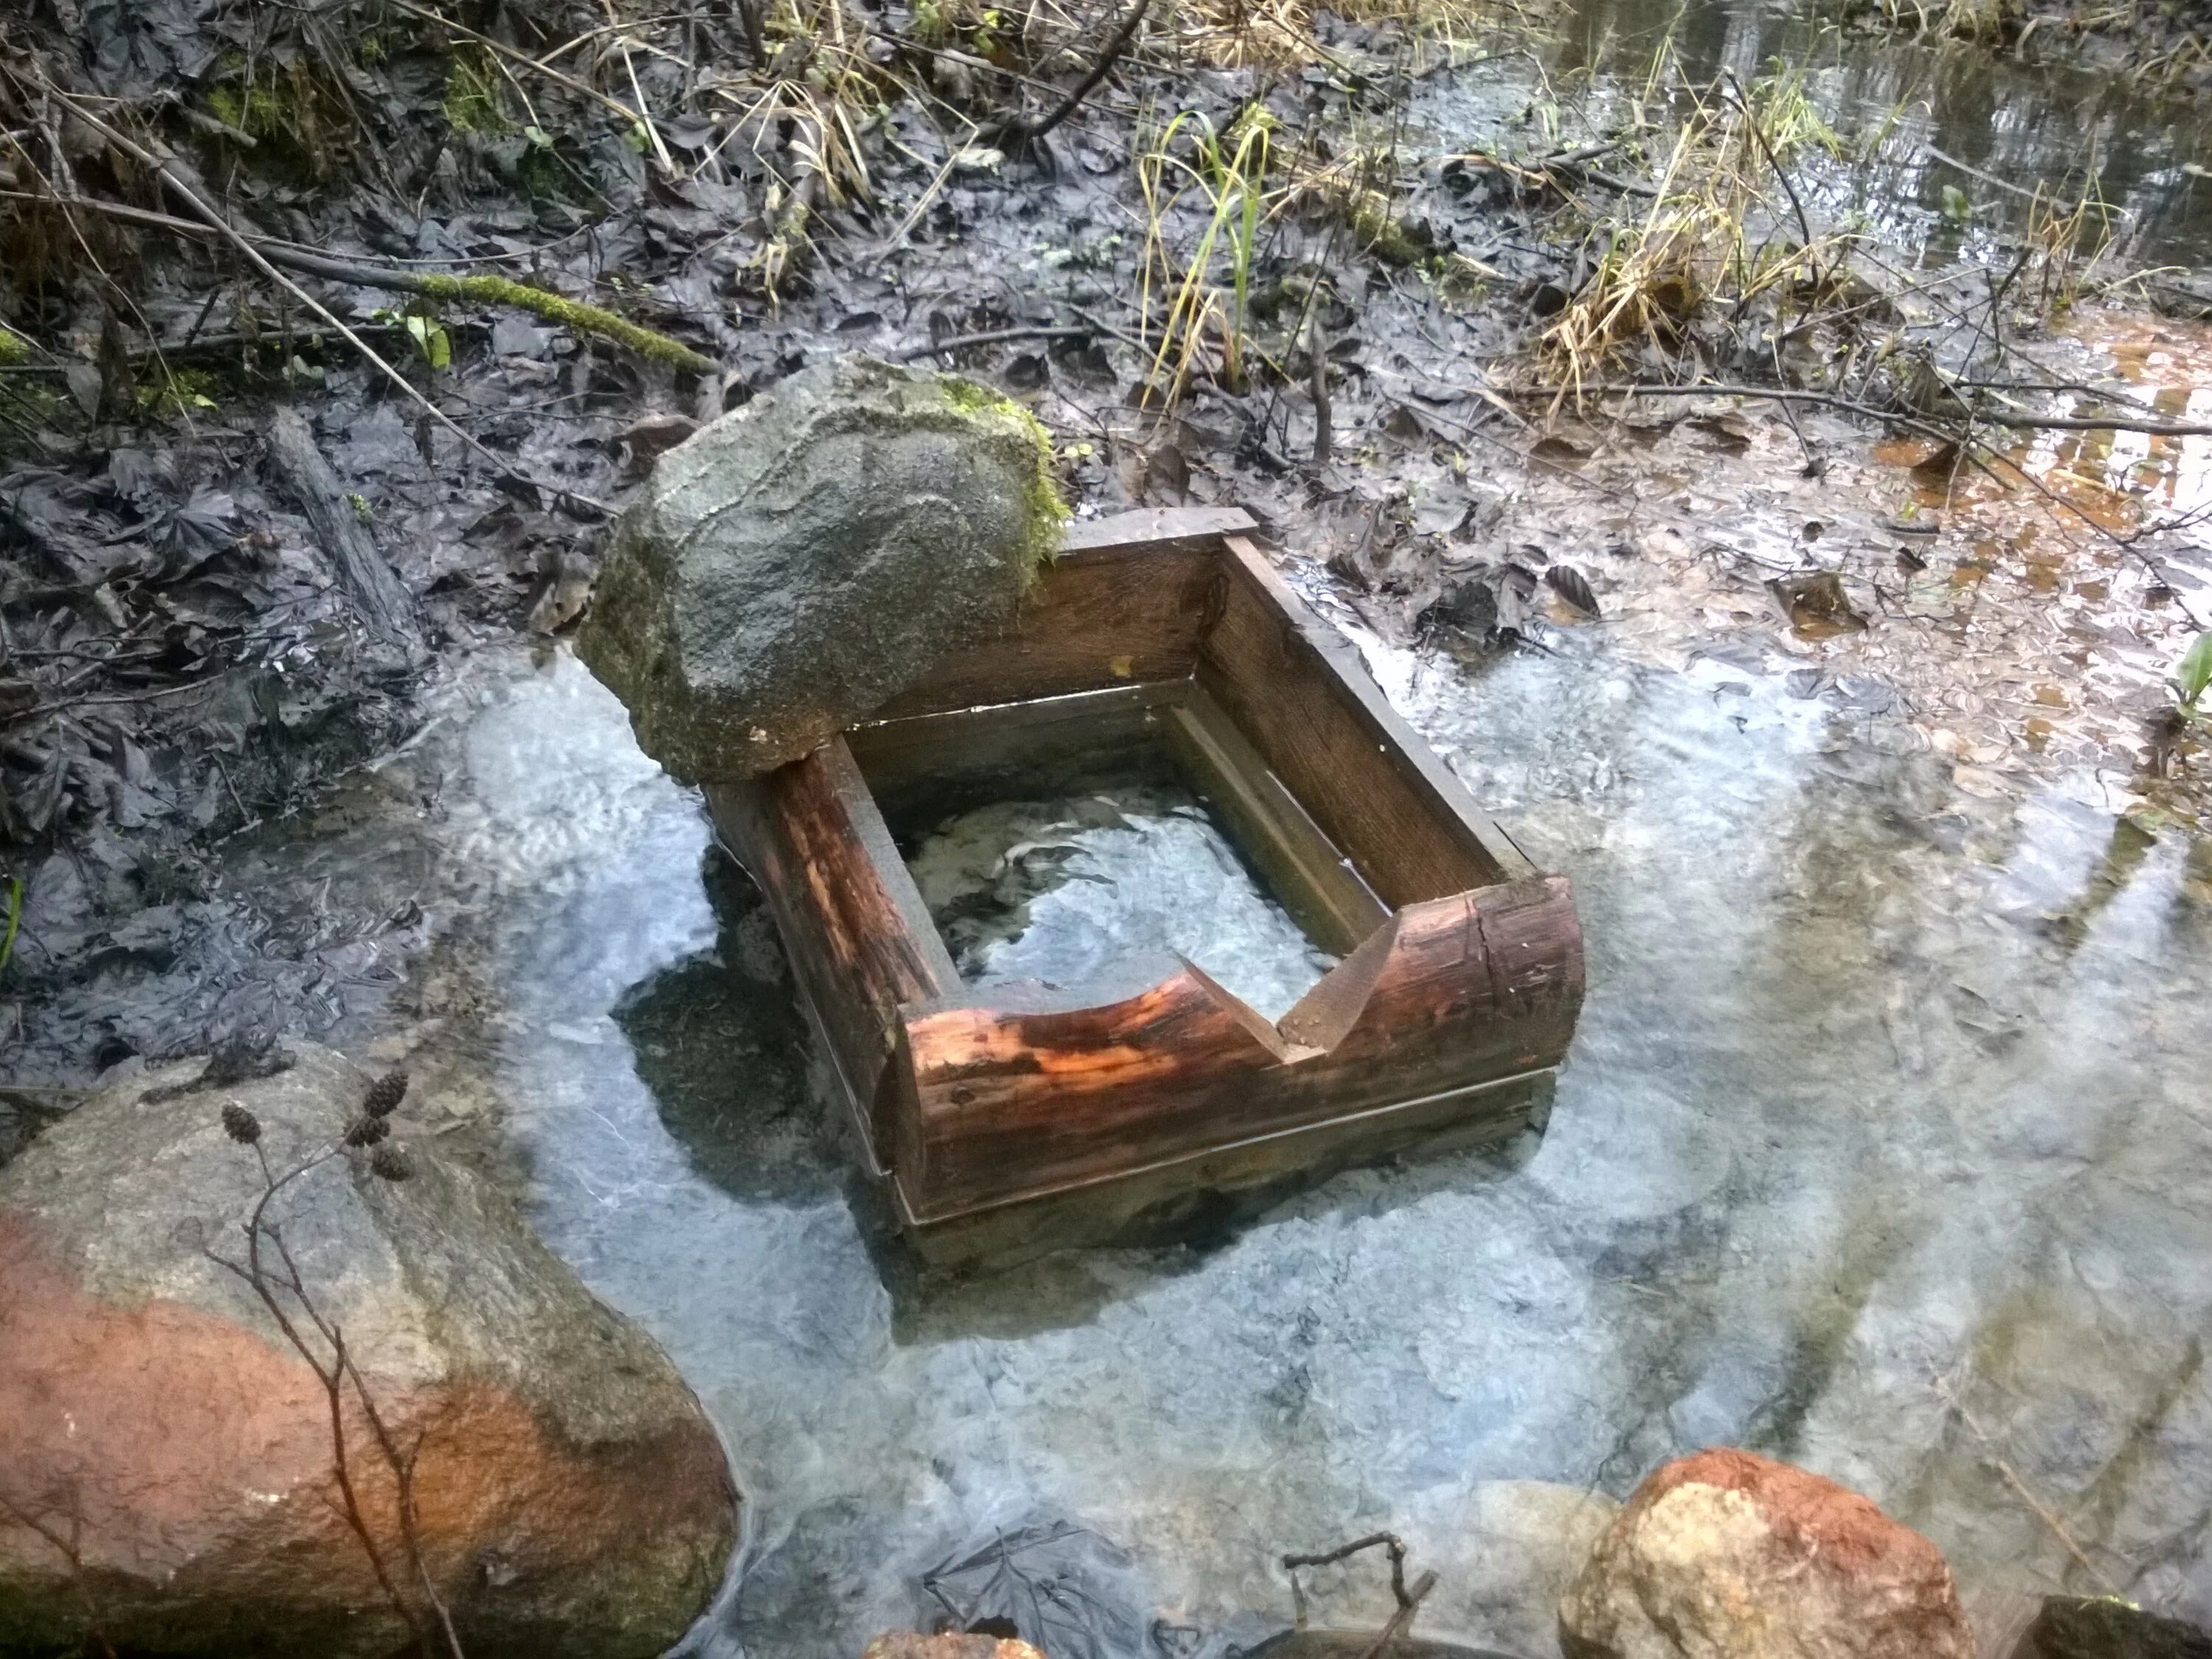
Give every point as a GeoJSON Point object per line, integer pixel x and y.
{"type": "Point", "coordinates": [367, 1130]}
{"type": "Point", "coordinates": [240, 1125]}
{"type": "Point", "coordinates": [389, 1163]}
{"type": "Point", "coordinates": [385, 1095]}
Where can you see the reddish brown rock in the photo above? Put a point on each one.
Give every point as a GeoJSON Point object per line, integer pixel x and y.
{"type": "Point", "coordinates": [1728, 1555]}
{"type": "Point", "coordinates": [166, 1463]}
{"type": "Point", "coordinates": [913, 1644]}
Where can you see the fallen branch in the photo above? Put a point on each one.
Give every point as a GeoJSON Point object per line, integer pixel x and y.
{"type": "Point", "coordinates": [431, 285]}
{"type": "Point", "coordinates": [362, 569]}
{"type": "Point", "coordinates": [1833, 400]}
{"type": "Point", "coordinates": [1030, 130]}
{"type": "Point", "coordinates": [184, 192]}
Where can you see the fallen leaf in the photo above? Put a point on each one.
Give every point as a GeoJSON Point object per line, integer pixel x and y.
{"type": "Point", "coordinates": [1571, 585]}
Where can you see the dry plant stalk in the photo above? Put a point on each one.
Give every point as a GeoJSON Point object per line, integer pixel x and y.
{"type": "Point", "coordinates": [1691, 244]}
{"type": "Point", "coordinates": [328, 1357]}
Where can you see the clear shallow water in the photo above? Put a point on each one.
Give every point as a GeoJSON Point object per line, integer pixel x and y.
{"type": "Point", "coordinates": [1883, 1093]}
{"type": "Point", "coordinates": [2050, 120]}
{"type": "Point", "coordinates": [1060, 891]}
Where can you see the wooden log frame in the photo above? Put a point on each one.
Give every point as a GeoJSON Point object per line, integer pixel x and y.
{"type": "Point", "coordinates": [1461, 970]}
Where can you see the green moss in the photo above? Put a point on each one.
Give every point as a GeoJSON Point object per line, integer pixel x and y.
{"type": "Point", "coordinates": [1047, 513]}
{"type": "Point", "coordinates": [13, 347]}
{"type": "Point", "coordinates": [1381, 232]}
{"type": "Point", "coordinates": [570, 314]}
{"type": "Point", "coordinates": [475, 99]}
{"type": "Point", "coordinates": [291, 109]}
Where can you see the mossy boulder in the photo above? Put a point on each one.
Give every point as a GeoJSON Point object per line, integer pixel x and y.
{"type": "Point", "coordinates": [801, 561]}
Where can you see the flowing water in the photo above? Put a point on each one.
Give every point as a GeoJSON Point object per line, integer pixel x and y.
{"type": "Point", "coordinates": [1884, 1114]}
{"type": "Point", "coordinates": [1060, 890]}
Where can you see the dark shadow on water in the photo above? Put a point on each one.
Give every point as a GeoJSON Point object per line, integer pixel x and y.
{"type": "Point", "coordinates": [721, 1043]}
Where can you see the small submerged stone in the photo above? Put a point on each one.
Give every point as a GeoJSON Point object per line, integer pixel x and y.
{"type": "Point", "coordinates": [2100, 1627]}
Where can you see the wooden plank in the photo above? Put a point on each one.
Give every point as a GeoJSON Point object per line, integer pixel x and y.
{"type": "Point", "coordinates": [1156, 529]}
{"type": "Point", "coordinates": [1304, 870]}
{"type": "Point", "coordinates": [998, 1103]}
{"type": "Point", "coordinates": [1052, 746]}
{"type": "Point", "coordinates": [1155, 1202]}
{"type": "Point", "coordinates": [1297, 688]}
{"type": "Point", "coordinates": [861, 941]}
{"type": "Point", "coordinates": [1125, 604]}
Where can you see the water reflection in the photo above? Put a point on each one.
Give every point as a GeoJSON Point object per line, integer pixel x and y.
{"type": "Point", "coordinates": [719, 1045]}
{"type": "Point", "coordinates": [2056, 125]}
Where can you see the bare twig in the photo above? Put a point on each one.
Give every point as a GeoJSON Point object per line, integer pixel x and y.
{"type": "Point", "coordinates": [1391, 1543]}
{"type": "Point", "coordinates": [2021, 423]}
{"type": "Point", "coordinates": [1789, 189]}
{"type": "Point", "coordinates": [1403, 1617]}
{"type": "Point", "coordinates": [1029, 131]}
{"type": "Point", "coordinates": [253, 255]}
{"type": "Point", "coordinates": [994, 336]}
{"type": "Point", "coordinates": [2020, 1487]}
{"type": "Point", "coordinates": [339, 1369]}
{"type": "Point", "coordinates": [432, 285]}
{"type": "Point", "coordinates": [1323, 437]}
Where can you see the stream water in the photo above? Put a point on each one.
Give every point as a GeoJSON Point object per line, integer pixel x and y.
{"type": "Point", "coordinates": [1880, 1148]}
{"type": "Point", "coordinates": [1060, 890]}
{"type": "Point", "coordinates": [1918, 109]}
{"type": "Point", "coordinates": [1883, 1114]}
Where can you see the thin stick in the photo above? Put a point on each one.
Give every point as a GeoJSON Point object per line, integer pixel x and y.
{"type": "Point", "coordinates": [2019, 1488]}
{"type": "Point", "coordinates": [574, 314]}
{"type": "Point", "coordinates": [1792, 394]}
{"type": "Point", "coordinates": [995, 337]}
{"type": "Point", "coordinates": [1403, 1617]}
{"type": "Point", "coordinates": [1322, 436]}
{"type": "Point", "coordinates": [1119, 43]}
{"type": "Point", "coordinates": [1751, 120]}
{"type": "Point", "coordinates": [914, 215]}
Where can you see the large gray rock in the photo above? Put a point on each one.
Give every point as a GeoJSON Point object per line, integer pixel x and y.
{"type": "Point", "coordinates": [167, 1470]}
{"type": "Point", "coordinates": [802, 560]}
